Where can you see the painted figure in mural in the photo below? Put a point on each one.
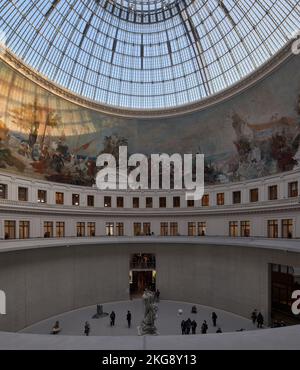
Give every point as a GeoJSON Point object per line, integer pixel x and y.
{"type": "Point", "coordinates": [148, 324]}
{"type": "Point", "coordinates": [265, 148]}
{"type": "Point", "coordinates": [46, 137]}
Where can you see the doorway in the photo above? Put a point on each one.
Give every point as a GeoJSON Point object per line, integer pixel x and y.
{"type": "Point", "coordinates": [141, 280]}
{"type": "Point", "coordinates": [142, 274]}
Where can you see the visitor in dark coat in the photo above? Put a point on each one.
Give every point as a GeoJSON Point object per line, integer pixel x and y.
{"type": "Point", "coordinates": [254, 317]}
{"type": "Point", "coordinates": [183, 328]}
{"type": "Point", "coordinates": [112, 318]}
{"type": "Point", "coordinates": [87, 329]}
{"type": "Point", "coordinates": [260, 320]}
{"type": "Point", "coordinates": [204, 327]}
{"type": "Point", "coordinates": [214, 319]}
{"type": "Point", "coordinates": [194, 326]}
{"type": "Point", "coordinates": [188, 325]}
{"type": "Point", "coordinates": [128, 317]}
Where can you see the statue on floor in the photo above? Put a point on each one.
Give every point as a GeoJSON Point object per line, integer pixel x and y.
{"type": "Point", "coordinates": [148, 324]}
{"type": "Point", "coordinates": [100, 312]}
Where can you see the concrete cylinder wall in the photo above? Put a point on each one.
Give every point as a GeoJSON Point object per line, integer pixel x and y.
{"type": "Point", "coordinates": [44, 282]}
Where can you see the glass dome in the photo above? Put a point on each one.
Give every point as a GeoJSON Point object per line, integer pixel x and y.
{"type": "Point", "coordinates": [147, 54]}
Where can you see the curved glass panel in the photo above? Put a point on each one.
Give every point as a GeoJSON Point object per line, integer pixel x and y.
{"type": "Point", "coordinates": [147, 54]}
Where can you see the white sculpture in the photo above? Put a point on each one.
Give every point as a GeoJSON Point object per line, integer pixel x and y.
{"type": "Point", "coordinates": [148, 324]}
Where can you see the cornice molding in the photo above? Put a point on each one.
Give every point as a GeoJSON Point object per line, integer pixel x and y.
{"type": "Point", "coordinates": [34, 209]}
{"type": "Point", "coordinates": [14, 62]}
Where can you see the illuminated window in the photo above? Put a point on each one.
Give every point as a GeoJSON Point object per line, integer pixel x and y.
{"type": "Point", "coordinates": [293, 189]}
{"type": "Point", "coordinates": [60, 229]}
{"type": "Point", "coordinates": [109, 229]}
{"type": "Point", "coordinates": [245, 228]}
{"type": "Point", "coordinates": [147, 228]}
{"type": "Point", "coordinates": [173, 228]}
{"type": "Point", "coordinates": [205, 200]}
{"type": "Point", "coordinates": [24, 229]}
{"type": "Point", "coordinates": [272, 229]}
{"type": "Point", "coordinates": [164, 229]}
{"type": "Point", "coordinates": [233, 229]}
{"type": "Point", "coordinates": [91, 229]}
{"type": "Point", "coordinates": [192, 229]}
{"type": "Point", "coordinates": [80, 227]}
{"type": "Point", "coordinates": [254, 195]}
{"type": "Point", "coordinates": [75, 199]}
{"type": "Point", "coordinates": [107, 202]}
{"type": "Point", "coordinates": [10, 229]}
{"type": "Point", "coordinates": [137, 229]}
{"type": "Point", "coordinates": [59, 198]}
{"type": "Point", "coordinates": [220, 199]}
{"type": "Point", "coordinates": [120, 229]}
{"type": "Point", "coordinates": [201, 228]}
{"type": "Point", "coordinates": [287, 228]}
{"type": "Point", "coordinates": [42, 196]}
{"type": "Point", "coordinates": [48, 229]}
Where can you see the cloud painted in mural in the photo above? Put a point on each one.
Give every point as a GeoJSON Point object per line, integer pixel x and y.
{"type": "Point", "coordinates": [254, 134]}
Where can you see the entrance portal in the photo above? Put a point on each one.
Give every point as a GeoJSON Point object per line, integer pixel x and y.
{"type": "Point", "coordinates": [142, 274]}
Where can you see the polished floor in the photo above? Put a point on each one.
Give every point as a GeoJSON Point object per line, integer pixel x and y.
{"type": "Point", "coordinates": [168, 321]}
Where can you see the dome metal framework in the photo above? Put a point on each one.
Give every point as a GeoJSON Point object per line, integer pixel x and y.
{"type": "Point", "coordinates": [147, 54]}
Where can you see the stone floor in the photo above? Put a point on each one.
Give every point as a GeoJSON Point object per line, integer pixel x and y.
{"type": "Point", "coordinates": [168, 322]}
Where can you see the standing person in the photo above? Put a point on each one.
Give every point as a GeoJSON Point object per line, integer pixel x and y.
{"type": "Point", "coordinates": [254, 316]}
{"type": "Point", "coordinates": [188, 325]}
{"type": "Point", "coordinates": [214, 319]}
{"type": "Point", "coordinates": [183, 327]}
{"type": "Point", "coordinates": [260, 320]}
{"type": "Point", "coordinates": [128, 317]}
{"type": "Point", "coordinates": [194, 326]}
{"type": "Point", "coordinates": [87, 328]}
{"type": "Point", "coordinates": [112, 318]}
{"type": "Point", "coordinates": [204, 327]}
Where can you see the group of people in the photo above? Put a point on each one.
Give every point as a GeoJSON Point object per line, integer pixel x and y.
{"type": "Point", "coordinates": [188, 326]}
{"type": "Point", "coordinates": [257, 319]}
{"type": "Point", "coordinates": [112, 317]}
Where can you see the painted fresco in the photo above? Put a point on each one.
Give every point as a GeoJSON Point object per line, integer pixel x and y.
{"type": "Point", "coordinates": [254, 134]}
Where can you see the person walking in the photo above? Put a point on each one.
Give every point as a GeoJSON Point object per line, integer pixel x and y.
{"type": "Point", "coordinates": [112, 318]}
{"type": "Point", "coordinates": [214, 319]}
{"type": "Point", "coordinates": [194, 326]}
{"type": "Point", "coordinates": [87, 328]}
{"type": "Point", "coordinates": [260, 320]}
{"type": "Point", "coordinates": [254, 316]}
{"type": "Point", "coordinates": [128, 317]}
